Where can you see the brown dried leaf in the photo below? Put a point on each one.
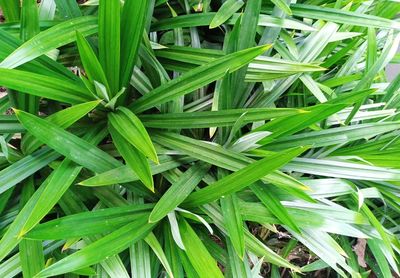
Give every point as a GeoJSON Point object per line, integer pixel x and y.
{"type": "Point", "coordinates": [359, 249]}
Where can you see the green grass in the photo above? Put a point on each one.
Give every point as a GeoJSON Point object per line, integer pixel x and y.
{"type": "Point", "coordinates": [199, 138]}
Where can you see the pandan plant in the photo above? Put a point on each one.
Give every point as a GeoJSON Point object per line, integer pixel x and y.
{"type": "Point", "coordinates": [199, 138]}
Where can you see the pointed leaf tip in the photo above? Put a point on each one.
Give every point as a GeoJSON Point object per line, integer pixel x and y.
{"type": "Point", "coordinates": [266, 47]}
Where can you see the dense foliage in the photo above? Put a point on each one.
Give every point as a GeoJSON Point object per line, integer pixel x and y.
{"type": "Point", "coordinates": [199, 138]}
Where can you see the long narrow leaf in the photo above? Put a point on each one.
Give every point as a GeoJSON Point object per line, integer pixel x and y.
{"type": "Point", "coordinates": [73, 147]}
{"type": "Point", "coordinates": [109, 41]}
{"type": "Point", "coordinates": [241, 178]}
{"type": "Point", "coordinates": [52, 38]}
{"type": "Point", "coordinates": [197, 78]}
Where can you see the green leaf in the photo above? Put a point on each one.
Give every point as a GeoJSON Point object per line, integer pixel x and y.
{"type": "Point", "coordinates": [237, 267]}
{"type": "Point", "coordinates": [139, 251]}
{"type": "Point", "coordinates": [101, 249]}
{"type": "Point", "coordinates": [109, 41]}
{"type": "Point", "coordinates": [155, 245]}
{"type": "Point", "coordinates": [342, 169]}
{"type": "Point", "coordinates": [133, 22]}
{"type": "Point", "coordinates": [374, 246]}
{"type": "Point", "coordinates": [187, 266]}
{"type": "Point", "coordinates": [4, 198]}
{"type": "Point", "coordinates": [391, 45]}
{"type": "Point", "coordinates": [43, 64]}
{"type": "Point", "coordinates": [341, 16]}
{"type": "Point", "coordinates": [71, 146]}
{"type": "Point", "coordinates": [385, 236]}
{"type": "Point", "coordinates": [372, 48]}
{"type": "Point", "coordinates": [215, 118]}
{"type": "Point", "coordinates": [242, 178]}
{"type": "Point", "coordinates": [252, 243]}
{"type": "Point", "coordinates": [55, 88]}
{"type": "Point", "coordinates": [221, 117]}
{"type": "Point", "coordinates": [178, 191]}
{"type": "Point", "coordinates": [64, 119]}
{"type": "Point", "coordinates": [233, 223]}
{"type": "Point", "coordinates": [54, 37]}
{"type": "Point", "coordinates": [197, 78]}
{"type": "Point", "coordinates": [283, 6]}
{"type": "Point", "coordinates": [171, 251]}
{"type": "Point", "coordinates": [273, 204]}
{"type": "Point", "coordinates": [140, 259]}
{"type": "Point", "coordinates": [29, 28]}
{"type": "Point", "coordinates": [133, 158]}
{"type": "Point", "coordinates": [30, 251]}
{"type": "Point", "coordinates": [129, 126]}
{"type": "Point", "coordinates": [25, 167]}
{"type": "Point", "coordinates": [90, 223]}
{"type": "Point", "coordinates": [125, 174]}
{"type": "Point", "coordinates": [29, 19]}
{"type": "Point", "coordinates": [68, 8]}
{"type": "Point", "coordinates": [12, 236]}
{"type": "Point", "coordinates": [90, 62]}
{"type": "Point", "coordinates": [45, 197]}
{"type": "Point", "coordinates": [246, 37]}
{"type": "Point", "coordinates": [70, 203]}
{"type": "Point", "coordinates": [11, 9]}
{"type": "Point", "coordinates": [327, 249]}
{"type": "Point", "coordinates": [227, 159]}
{"type": "Point", "coordinates": [31, 256]}
{"type": "Point", "coordinates": [12, 266]}
{"type": "Point", "coordinates": [227, 9]}
{"type": "Point", "coordinates": [197, 253]}
{"type": "Point", "coordinates": [317, 113]}
{"type": "Point", "coordinates": [47, 9]}
{"type": "Point", "coordinates": [334, 136]}
{"type": "Point", "coordinates": [10, 124]}
{"type": "Point", "coordinates": [204, 19]}
{"type": "Point", "coordinates": [261, 68]}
